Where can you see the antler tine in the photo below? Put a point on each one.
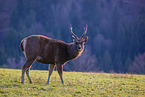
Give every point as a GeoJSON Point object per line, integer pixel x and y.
{"type": "Point", "coordinates": [73, 33]}
{"type": "Point", "coordinates": [85, 31]}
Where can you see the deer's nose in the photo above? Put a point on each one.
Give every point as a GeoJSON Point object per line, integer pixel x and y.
{"type": "Point", "coordinates": [79, 47]}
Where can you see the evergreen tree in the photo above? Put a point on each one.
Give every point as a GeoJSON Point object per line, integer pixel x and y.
{"type": "Point", "coordinates": [107, 62]}
{"type": "Point", "coordinates": [127, 63]}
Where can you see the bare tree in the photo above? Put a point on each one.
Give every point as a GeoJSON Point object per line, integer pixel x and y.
{"type": "Point", "coordinates": [138, 65]}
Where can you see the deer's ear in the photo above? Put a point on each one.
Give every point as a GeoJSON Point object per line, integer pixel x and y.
{"type": "Point", "coordinates": [85, 39]}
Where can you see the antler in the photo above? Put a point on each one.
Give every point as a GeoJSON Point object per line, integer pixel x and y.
{"type": "Point", "coordinates": [84, 32]}
{"type": "Point", "coordinates": [73, 33]}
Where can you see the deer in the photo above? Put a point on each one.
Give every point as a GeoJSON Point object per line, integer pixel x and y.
{"type": "Point", "coordinates": [50, 51]}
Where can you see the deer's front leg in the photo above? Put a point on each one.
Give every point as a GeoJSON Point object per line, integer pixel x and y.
{"type": "Point", "coordinates": [51, 68]}
{"type": "Point", "coordinates": [60, 71]}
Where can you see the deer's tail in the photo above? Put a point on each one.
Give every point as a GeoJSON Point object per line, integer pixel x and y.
{"type": "Point", "coordinates": [21, 46]}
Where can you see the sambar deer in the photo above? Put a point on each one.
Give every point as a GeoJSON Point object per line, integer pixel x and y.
{"type": "Point", "coordinates": [50, 51]}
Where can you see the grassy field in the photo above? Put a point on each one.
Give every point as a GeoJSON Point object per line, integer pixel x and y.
{"type": "Point", "coordinates": [76, 84]}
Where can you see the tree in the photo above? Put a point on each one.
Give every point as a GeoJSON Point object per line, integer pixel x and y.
{"type": "Point", "coordinates": [138, 65]}
{"type": "Point", "coordinates": [127, 63]}
{"type": "Point", "coordinates": [3, 55]}
{"type": "Point", "coordinates": [107, 62]}
{"type": "Point", "coordinates": [117, 63]}
{"type": "Point", "coordinates": [115, 20]}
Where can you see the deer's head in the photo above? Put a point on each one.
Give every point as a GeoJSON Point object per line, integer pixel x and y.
{"type": "Point", "coordinates": [79, 42]}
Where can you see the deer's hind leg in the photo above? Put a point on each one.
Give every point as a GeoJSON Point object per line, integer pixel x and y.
{"type": "Point", "coordinates": [28, 75]}
{"type": "Point", "coordinates": [26, 67]}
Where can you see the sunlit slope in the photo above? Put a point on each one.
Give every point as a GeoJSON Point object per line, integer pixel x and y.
{"type": "Point", "coordinates": [75, 84]}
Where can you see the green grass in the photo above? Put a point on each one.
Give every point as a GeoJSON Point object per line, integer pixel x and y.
{"type": "Point", "coordinates": [75, 84]}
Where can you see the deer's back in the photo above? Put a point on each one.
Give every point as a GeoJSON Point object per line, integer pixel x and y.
{"type": "Point", "coordinates": [46, 50]}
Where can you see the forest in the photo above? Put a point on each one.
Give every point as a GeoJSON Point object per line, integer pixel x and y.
{"type": "Point", "coordinates": [116, 31]}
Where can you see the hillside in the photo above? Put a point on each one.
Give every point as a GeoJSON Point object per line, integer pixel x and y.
{"type": "Point", "coordinates": [116, 31]}
{"type": "Point", "coordinates": [76, 84]}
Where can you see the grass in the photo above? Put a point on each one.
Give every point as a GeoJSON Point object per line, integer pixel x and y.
{"type": "Point", "coordinates": [78, 84]}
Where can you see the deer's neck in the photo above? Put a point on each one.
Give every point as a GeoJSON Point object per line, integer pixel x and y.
{"type": "Point", "coordinates": [72, 52]}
